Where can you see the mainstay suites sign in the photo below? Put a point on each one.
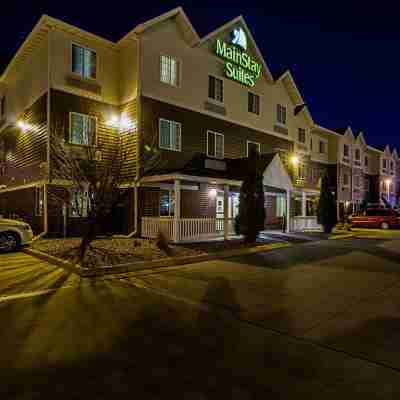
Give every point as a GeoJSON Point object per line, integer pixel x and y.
{"type": "Point", "coordinates": [239, 65]}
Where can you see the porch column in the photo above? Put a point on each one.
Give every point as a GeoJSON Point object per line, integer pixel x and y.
{"type": "Point", "coordinates": [288, 220]}
{"type": "Point", "coordinates": [226, 211]}
{"type": "Point", "coordinates": [303, 204]}
{"type": "Point", "coordinates": [177, 210]}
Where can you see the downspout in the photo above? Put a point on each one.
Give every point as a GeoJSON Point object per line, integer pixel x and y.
{"type": "Point", "coordinates": [138, 130]}
{"type": "Point", "coordinates": [48, 119]}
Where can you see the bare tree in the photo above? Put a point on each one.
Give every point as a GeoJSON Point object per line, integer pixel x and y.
{"type": "Point", "coordinates": [91, 178]}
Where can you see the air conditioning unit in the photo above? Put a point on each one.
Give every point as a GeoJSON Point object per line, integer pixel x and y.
{"type": "Point", "coordinates": [98, 155]}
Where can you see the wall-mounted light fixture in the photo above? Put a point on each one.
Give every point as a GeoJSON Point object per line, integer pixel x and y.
{"type": "Point", "coordinates": [212, 193]}
{"type": "Point", "coordinates": [294, 160]}
{"type": "Point", "coordinates": [23, 125]}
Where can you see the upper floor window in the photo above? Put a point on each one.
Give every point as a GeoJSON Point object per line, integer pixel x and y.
{"type": "Point", "coordinates": [301, 135]}
{"type": "Point", "coordinates": [346, 150]}
{"type": "Point", "coordinates": [254, 103]}
{"type": "Point", "coordinates": [281, 114]}
{"type": "Point", "coordinates": [357, 154]}
{"type": "Point", "coordinates": [366, 161]}
{"type": "Point", "coordinates": [215, 144]}
{"type": "Point", "coordinates": [216, 89]}
{"type": "Point", "coordinates": [384, 163]}
{"type": "Point", "coordinates": [357, 181]}
{"type": "Point", "coordinates": [170, 135]}
{"type": "Point", "coordinates": [83, 129]}
{"type": "Point", "coordinates": [169, 70]}
{"type": "Point", "coordinates": [84, 62]}
{"type": "Point", "coordinates": [322, 149]}
{"type": "Point", "coordinates": [3, 107]}
{"type": "Point", "coordinates": [391, 165]}
{"type": "Point", "coordinates": [253, 146]}
{"type": "Point", "coordinates": [301, 171]}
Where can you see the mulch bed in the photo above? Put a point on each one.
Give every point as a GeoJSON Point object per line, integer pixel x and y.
{"type": "Point", "coordinates": [110, 251]}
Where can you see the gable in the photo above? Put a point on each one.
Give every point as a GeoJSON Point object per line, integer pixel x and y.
{"type": "Point", "coordinates": [276, 175]}
{"type": "Point", "coordinates": [234, 43]}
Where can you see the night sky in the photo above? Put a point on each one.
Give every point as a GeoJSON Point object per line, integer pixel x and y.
{"type": "Point", "coordinates": [344, 55]}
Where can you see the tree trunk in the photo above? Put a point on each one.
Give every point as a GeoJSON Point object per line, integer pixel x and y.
{"type": "Point", "coordinates": [87, 238]}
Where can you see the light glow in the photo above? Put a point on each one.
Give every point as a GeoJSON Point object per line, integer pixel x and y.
{"type": "Point", "coordinates": [212, 192]}
{"type": "Point", "coordinates": [295, 160]}
{"type": "Point", "coordinates": [113, 120]}
{"type": "Point", "coordinates": [23, 125]}
{"type": "Point", "coordinates": [388, 182]}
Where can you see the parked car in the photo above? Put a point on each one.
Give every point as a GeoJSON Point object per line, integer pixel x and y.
{"type": "Point", "coordinates": [14, 234]}
{"type": "Point", "coordinates": [384, 218]}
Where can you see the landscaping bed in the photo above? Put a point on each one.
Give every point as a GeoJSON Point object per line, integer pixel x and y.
{"type": "Point", "coordinates": [110, 251]}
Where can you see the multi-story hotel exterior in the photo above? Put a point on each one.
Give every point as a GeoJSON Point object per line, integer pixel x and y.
{"type": "Point", "coordinates": [203, 102]}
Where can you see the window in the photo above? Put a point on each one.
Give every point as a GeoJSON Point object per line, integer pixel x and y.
{"type": "Point", "coordinates": [169, 70]}
{"type": "Point", "coordinates": [216, 89]}
{"type": "Point", "coordinates": [253, 146]}
{"type": "Point", "coordinates": [384, 162]}
{"type": "Point", "coordinates": [84, 62]}
{"type": "Point", "coordinates": [357, 181]}
{"type": "Point", "coordinates": [366, 161]}
{"type": "Point", "coordinates": [215, 144]}
{"type": "Point", "coordinates": [302, 135]}
{"type": "Point", "coordinates": [39, 200]}
{"type": "Point", "coordinates": [321, 147]}
{"type": "Point", "coordinates": [79, 204]}
{"type": "Point", "coordinates": [346, 180]}
{"type": "Point", "coordinates": [83, 129]}
{"type": "Point", "coordinates": [167, 203]}
{"type": "Point", "coordinates": [170, 135]}
{"type": "Point", "coordinates": [3, 107]}
{"type": "Point", "coordinates": [346, 150]}
{"type": "Point", "coordinates": [254, 103]}
{"type": "Point", "coordinates": [357, 154]}
{"type": "Point", "coordinates": [281, 114]}
{"type": "Point", "coordinates": [301, 171]}
{"type": "Point", "coordinates": [391, 165]}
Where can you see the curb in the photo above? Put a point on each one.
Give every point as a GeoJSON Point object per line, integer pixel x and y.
{"type": "Point", "coordinates": [71, 267]}
{"type": "Point", "coordinates": [344, 236]}
{"type": "Point", "coordinates": [148, 265]}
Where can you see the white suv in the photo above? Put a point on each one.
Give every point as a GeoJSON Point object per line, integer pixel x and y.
{"type": "Point", "coordinates": [14, 234]}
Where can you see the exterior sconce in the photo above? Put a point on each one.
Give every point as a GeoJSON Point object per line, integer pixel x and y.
{"type": "Point", "coordinates": [23, 125]}
{"type": "Point", "coordinates": [295, 160]}
{"type": "Point", "coordinates": [212, 193]}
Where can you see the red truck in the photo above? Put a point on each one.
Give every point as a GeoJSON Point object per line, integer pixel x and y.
{"type": "Point", "coordinates": [384, 218]}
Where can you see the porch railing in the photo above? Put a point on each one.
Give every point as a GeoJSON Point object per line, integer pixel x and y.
{"type": "Point", "coordinates": [300, 224]}
{"type": "Point", "coordinates": [188, 228]}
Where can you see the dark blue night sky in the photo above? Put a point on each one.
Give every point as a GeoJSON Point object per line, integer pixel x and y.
{"type": "Point", "coordinates": [344, 55]}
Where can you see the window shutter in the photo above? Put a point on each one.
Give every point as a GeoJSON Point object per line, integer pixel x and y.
{"type": "Point", "coordinates": [219, 146]}
{"type": "Point", "coordinates": [91, 131]}
{"type": "Point", "coordinates": [211, 87]}
{"type": "Point", "coordinates": [211, 144]}
{"type": "Point", "coordinates": [77, 59]}
{"type": "Point", "coordinates": [176, 136]}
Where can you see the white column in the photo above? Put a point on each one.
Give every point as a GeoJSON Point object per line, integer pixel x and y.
{"type": "Point", "coordinates": [226, 211]}
{"type": "Point", "coordinates": [288, 220]}
{"type": "Point", "coordinates": [177, 211]}
{"type": "Point", "coordinates": [303, 204]}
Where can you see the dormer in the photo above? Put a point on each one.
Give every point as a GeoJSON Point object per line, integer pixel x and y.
{"type": "Point", "coordinates": [345, 150]}
{"type": "Point", "coordinates": [387, 164]}
{"type": "Point", "coordinates": [359, 148]}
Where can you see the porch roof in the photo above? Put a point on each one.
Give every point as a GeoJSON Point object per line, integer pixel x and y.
{"type": "Point", "coordinates": [228, 171]}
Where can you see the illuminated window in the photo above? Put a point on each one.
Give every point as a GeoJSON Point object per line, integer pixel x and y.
{"type": "Point", "coordinates": [215, 144]}
{"type": "Point", "coordinates": [169, 70]}
{"type": "Point", "coordinates": [281, 114]}
{"type": "Point", "coordinates": [254, 103]}
{"type": "Point", "coordinates": [39, 200]}
{"type": "Point", "coordinates": [170, 135]}
{"type": "Point", "coordinates": [167, 203]}
{"type": "Point", "coordinates": [84, 62]}
{"type": "Point", "coordinates": [216, 89]}
{"type": "Point", "coordinates": [83, 129]}
{"type": "Point", "coordinates": [301, 135]}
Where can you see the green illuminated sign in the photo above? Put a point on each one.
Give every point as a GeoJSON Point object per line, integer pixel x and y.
{"type": "Point", "coordinates": [239, 66]}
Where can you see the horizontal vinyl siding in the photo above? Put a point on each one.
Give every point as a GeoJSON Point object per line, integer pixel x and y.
{"type": "Point", "coordinates": [107, 136]}
{"type": "Point", "coordinates": [24, 152]}
{"type": "Point", "coordinates": [194, 129]}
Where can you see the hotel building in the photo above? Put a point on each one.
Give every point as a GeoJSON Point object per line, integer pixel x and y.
{"type": "Point", "coordinates": [204, 103]}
